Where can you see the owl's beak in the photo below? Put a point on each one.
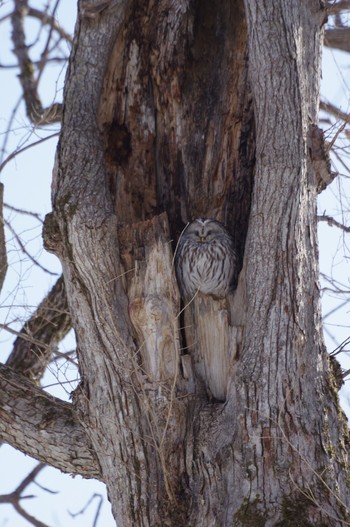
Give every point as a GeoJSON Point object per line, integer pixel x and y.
{"type": "Point", "coordinates": [202, 238]}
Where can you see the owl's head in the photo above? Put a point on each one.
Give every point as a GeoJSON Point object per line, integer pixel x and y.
{"type": "Point", "coordinates": [203, 230]}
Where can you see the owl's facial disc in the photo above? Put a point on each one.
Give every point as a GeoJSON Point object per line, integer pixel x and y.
{"type": "Point", "coordinates": [201, 232]}
{"type": "Point", "coordinates": [201, 235]}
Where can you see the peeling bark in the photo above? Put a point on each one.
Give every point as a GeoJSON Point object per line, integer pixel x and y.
{"type": "Point", "coordinates": [176, 114]}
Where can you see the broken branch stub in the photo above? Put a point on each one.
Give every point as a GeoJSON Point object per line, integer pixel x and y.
{"type": "Point", "coordinates": [154, 302]}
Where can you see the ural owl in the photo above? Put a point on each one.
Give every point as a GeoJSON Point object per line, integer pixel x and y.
{"type": "Point", "coordinates": [205, 259]}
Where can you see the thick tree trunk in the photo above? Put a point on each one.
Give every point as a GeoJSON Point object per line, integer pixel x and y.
{"type": "Point", "coordinates": [158, 125]}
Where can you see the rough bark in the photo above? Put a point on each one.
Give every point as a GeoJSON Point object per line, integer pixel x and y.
{"type": "Point", "coordinates": [41, 334]}
{"type": "Point", "coordinates": [43, 426]}
{"type": "Point", "coordinates": [177, 135]}
{"type": "Point", "coordinates": [283, 365]}
{"type": "Point", "coordinates": [176, 114]}
{"type": "Point", "coordinates": [175, 110]}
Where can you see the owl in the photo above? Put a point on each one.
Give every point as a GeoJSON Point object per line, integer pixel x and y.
{"type": "Point", "coordinates": [205, 259]}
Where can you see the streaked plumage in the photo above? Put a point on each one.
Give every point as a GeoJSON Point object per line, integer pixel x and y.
{"type": "Point", "coordinates": [205, 259]}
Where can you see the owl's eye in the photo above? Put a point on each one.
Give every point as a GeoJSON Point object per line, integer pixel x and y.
{"type": "Point", "coordinates": [196, 233]}
{"type": "Point", "coordinates": [209, 232]}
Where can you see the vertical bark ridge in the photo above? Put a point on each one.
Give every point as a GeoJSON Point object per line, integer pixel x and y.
{"type": "Point", "coordinates": [281, 346]}
{"type": "Point", "coordinates": [168, 124]}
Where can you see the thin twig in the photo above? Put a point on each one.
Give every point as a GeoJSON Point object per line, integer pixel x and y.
{"type": "Point", "coordinates": [35, 215]}
{"type": "Point", "coordinates": [333, 223]}
{"type": "Point", "coordinates": [335, 111]}
{"type": "Point", "coordinates": [21, 150]}
{"type": "Point", "coordinates": [24, 250]}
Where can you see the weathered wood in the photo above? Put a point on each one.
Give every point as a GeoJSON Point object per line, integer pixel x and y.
{"type": "Point", "coordinates": [154, 302]}
{"type": "Point", "coordinates": [43, 426]}
{"type": "Point", "coordinates": [211, 341]}
{"type": "Point", "coordinates": [174, 106]}
{"type": "Point", "coordinates": [176, 114]}
{"type": "Point", "coordinates": [183, 127]}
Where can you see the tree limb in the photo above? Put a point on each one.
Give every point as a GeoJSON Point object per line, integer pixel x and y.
{"type": "Point", "coordinates": [35, 111]}
{"type": "Point", "coordinates": [21, 150]}
{"type": "Point", "coordinates": [45, 18]}
{"type": "Point", "coordinates": [43, 426]}
{"type": "Point", "coordinates": [338, 38]}
{"type": "Point", "coordinates": [333, 110]}
{"type": "Point", "coordinates": [337, 7]}
{"type": "Point", "coordinates": [41, 334]}
{"type": "Point", "coordinates": [23, 249]}
{"type": "Point", "coordinates": [15, 496]}
{"type": "Point", "coordinates": [332, 222]}
{"type": "Point", "coordinates": [33, 521]}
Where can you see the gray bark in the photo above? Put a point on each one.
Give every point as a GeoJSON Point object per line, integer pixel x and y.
{"type": "Point", "coordinates": [175, 110]}
{"type": "Point", "coordinates": [43, 426]}
{"type": "Point", "coordinates": [41, 334]}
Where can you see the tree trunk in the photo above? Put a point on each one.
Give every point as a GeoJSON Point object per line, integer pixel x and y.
{"type": "Point", "coordinates": [175, 110]}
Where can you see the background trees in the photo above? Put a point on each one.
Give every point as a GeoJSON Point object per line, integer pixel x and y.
{"type": "Point", "coordinates": [202, 78]}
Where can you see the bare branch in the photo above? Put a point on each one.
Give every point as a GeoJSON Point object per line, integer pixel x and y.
{"type": "Point", "coordinates": [8, 129]}
{"type": "Point", "coordinates": [35, 111]}
{"type": "Point", "coordinates": [27, 253]}
{"type": "Point", "coordinates": [337, 7]}
{"type": "Point", "coordinates": [341, 347]}
{"type": "Point", "coordinates": [98, 510]}
{"type": "Point", "coordinates": [15, 496]}
{"type": "Point", "coordinates": [45, 53]}
{"type": "Point", "coordinates": [28, 517]}
{"type": "Point", "coordinates": [332, 222]}
{"type": "Point", "coordinates": [334, 110]}
{"type": "Point", "coordinates": [35, 215]}
{"type": "Point", "coordinates": [45, 18]}
{"type": "Point", "coordinates": [43, 426]}
{"type": "Point", "coordinates": [19, 151]}
{"type": "Point", "coordinates": [338, 38]}
{"type": "Point", "coordinates": [45, 329]}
